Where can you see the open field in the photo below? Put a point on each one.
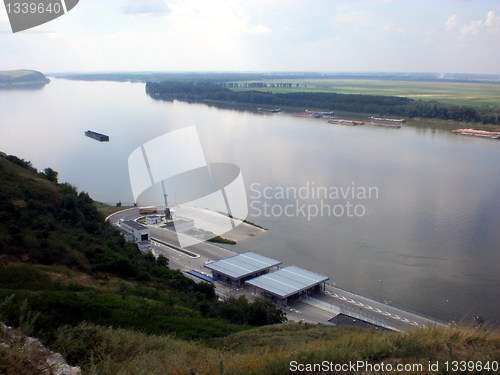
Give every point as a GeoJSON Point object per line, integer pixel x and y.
{"type": "Point", "coordinates": [470, 94]}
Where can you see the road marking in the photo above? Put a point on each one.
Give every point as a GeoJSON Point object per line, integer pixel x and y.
{"type": "Point", "coordinates": [335, 295]}
{"type": "Point", "coordinates": [359, 304]}
{"type": "Point", "coordinates": [396, 317]}
{"type": "Point", "coordinates": [414, 323]}
{"type": "Point", "coordinates": [377, 310]}
{"type": "Point", "coordinates": [350, 300]}
{"type": "Point", "coordinates": [369, 307]}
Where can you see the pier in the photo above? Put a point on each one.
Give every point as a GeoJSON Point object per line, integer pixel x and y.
{"type": "Point", "coordinates": [321, 306]}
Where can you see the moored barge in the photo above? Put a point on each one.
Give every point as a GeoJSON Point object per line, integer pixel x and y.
{"type": "Point", "coordinates": [269, 110]}
{"type": "Point", "coordinates": [393, 126]}
{"type": "Point", "coordinates": [346, 122]}
{"type": "Point", "coordinates": [305, 114]}
{"type": "Point", "coordinates": [477, 133]}
{"type": "Point", "coordinates": [386, 119]}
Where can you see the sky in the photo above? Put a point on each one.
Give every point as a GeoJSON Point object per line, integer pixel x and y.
{"type": "Point", "coordinates": [439, 36]}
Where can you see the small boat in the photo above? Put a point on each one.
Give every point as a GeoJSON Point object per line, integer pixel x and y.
{"type": "Point", "coordinates": [477, 133]}
{"type": "Point", "coordinates": [97, 136]}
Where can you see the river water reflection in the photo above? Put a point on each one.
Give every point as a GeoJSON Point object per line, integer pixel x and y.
{"type": "Point", "coordinates": [426, 241]}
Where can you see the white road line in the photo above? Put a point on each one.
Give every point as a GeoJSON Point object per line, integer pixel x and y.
{"type": "Point", "coordinates": [369, 307]}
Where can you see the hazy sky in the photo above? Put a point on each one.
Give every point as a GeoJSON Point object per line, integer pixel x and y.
{"type": "Point", "coordinates": [443, 36]}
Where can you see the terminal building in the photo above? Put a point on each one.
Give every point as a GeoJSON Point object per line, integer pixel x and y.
{"type": "Point", "coordinates": [242, 267]}
{"type": "Point", "coordinates": [289, 283]}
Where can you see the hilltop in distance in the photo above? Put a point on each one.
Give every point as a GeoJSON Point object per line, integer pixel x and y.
{"type": "Point", "coordinates": [22, 79]}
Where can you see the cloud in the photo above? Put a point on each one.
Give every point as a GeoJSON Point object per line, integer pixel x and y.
{"type": "Point", "coordinates": [259, 29]}
{"type": "Point", "coordinates": [389, 27]}
{"type": "Point", "coordinates": [452, 22]}
{"type": "Point", "coordinates": [490, 25]}
{"type": "Point", "coordinates": [145, 7]}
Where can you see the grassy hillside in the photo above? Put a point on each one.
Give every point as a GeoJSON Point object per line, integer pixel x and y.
{"type": "Point", "coordinates": [70, 279]}
{"type": "Point", "coordinates": [278, 349]}
{"type": "Point", "coordinates": [22, 78]}
{"type": "Point", "coordinates": [58, 254]}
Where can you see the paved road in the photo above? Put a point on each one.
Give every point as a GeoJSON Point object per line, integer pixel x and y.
{"type": "Point", "coordinates": [319, 309]}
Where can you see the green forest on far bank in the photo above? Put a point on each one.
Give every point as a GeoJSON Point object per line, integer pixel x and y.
{"type": "Point", "coordinates": [376, 105]}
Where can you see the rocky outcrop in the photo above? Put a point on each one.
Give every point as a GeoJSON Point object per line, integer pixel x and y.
{"type": "Point", "coordinates": [33, 354]}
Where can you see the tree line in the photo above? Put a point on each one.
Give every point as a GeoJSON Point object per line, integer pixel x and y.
{"type": "Point", "coordinates": [368, 104]}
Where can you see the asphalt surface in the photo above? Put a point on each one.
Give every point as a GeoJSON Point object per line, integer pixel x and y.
{"type": "Point", "coordinates": [321, 308]}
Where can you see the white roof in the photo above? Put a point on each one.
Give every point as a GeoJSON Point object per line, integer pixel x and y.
{"type": "Point", "coordinates": [242, 265]}
{"type": "Point", "coordinates": [288, 281]}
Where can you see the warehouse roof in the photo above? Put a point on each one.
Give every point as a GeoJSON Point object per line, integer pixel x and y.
{"type": "Point", "coordinates": [242, 265]}
{"type": "Point", "coordinates": [288, 281]}
{"type": "Point", "coordinates": [135, 225]}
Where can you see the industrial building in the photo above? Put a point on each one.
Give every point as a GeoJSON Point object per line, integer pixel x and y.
{"type": "Point", "coordinates": [139, 231]}
{"type": "Point", "coordinates": [240, 268]}
{"type": "Point", "coordinates": [288, 283]}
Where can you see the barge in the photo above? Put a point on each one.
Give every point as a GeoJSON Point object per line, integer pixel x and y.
{"type": "Point", "coordinates": [97, 136]}
{"type": "Point", "coordinates": [386, 119]}
{"type": "Point", "coordinates": [305, 114]}
{"type": "Point", "coordinates": [319, 113]}
{"type": "Point", "coordinates": [346, 122]}
{"type": "Point", "coordinates": [477, 133]}
{"type": "Point", "coordinates": [269, 110]}
{"type": "Point", "coordinates": [394, 126]}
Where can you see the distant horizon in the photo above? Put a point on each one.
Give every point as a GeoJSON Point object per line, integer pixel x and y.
{"type": "Point", "coordinates": [291, 73]}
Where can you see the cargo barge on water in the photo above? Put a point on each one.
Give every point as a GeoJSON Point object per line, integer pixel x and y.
{"type": "Point", "coordinates": [275, 110]}
{"type": "Point", "coordinates": [346, 122]}
{"type": "Point", "coordinates": [319, 113]}
{"type": "Point", "coordinates": [306, 114]}
{"type": "Point", "coordinates": [477, 133]}
{"type": "Point", "coordinates": [97, 136]}
{"type": "Point", "coordinates": [386, 119]}
{"type": "Point", "coordinates": [393, 126]}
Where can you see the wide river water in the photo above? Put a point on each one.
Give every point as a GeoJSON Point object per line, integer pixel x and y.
{"type": "Point", "coordinates": [422, 230]}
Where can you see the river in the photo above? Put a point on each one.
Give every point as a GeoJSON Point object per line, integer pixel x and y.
{"type": "Point", "coordinates": [420, 232]}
